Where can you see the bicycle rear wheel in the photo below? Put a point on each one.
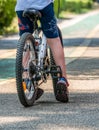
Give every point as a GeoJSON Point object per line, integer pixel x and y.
{"type": "Point", "coordinates": [26, 87]}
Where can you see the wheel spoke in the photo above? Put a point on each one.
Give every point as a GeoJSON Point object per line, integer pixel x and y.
{"type": "Point", "coordinates": [25, 55]}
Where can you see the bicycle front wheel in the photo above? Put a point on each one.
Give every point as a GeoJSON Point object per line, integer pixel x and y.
{"type": "Point", "coordinates": [25, 56]}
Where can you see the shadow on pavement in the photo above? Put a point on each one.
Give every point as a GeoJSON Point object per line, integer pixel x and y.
{"type": "Point", "coordinates": [12, 44]}
{"type": "Point", "coordinates": [8, 44]}
{"type": "Point", "coordinates": [74, 42]}
{"type": "Point", "coordinates": [84, 68]}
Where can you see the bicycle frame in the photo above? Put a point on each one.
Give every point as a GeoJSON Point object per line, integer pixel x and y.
{"type": "Point", "coordinates": [42, 46]}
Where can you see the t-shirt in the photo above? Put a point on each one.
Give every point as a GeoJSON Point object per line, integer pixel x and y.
{"type": "Point", "coordinates": [36, 4]}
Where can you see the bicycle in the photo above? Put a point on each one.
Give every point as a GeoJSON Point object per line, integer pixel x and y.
{"type": "Point", "coordinates": [34, 61]}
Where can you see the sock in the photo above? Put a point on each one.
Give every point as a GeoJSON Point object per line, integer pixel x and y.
{"type": "Point", "coordinates": [64, 79]}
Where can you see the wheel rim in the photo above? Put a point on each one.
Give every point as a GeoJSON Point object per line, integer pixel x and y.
{"type": "Point", "coordinates": [28, 56]}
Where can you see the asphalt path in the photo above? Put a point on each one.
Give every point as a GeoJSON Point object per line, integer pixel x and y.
{"type": "Point", "coordinates": [82, 111]}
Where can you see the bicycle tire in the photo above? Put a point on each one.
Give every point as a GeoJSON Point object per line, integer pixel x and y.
{"type": "Point", "coordinates": [19, 56]}
{"type": "Point", "coordinates": [54, 80]}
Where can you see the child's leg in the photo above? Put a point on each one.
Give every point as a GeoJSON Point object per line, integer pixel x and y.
{"type": "Point", "coordinates": [50, 29]}
{"type": "Point", "coordinates": [57, 50]}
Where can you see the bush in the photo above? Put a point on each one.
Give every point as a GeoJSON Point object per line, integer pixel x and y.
{"type": "Point", "coordinates": [59, 5]}
{"type": "Point", "coordinates": [73, 6]}
{"type": "Point", "coordinates": [76, 6]}
{"type": "Point", "coordinates": [7, 13]}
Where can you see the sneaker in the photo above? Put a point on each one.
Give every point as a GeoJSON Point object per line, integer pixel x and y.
{"type": "Point", "coordinates": [39, 93]}
{"type": "Point", "coordinates": [62, 90]}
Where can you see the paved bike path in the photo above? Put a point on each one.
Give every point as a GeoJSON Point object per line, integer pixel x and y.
{"type": "Point", "coordinates": [74, 35]}
{"type": "Point", "coordinates": [81, 113]}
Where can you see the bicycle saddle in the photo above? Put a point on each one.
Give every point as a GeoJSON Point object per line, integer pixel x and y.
{"type": "Point", "coordinates": [31, 13]}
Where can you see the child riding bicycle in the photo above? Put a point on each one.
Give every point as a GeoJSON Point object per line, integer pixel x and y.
{"type": "Point", "coordinates": [50, 29]}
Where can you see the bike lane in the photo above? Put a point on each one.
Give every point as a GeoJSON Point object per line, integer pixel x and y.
{"type": "Point", "coordinates": [73, 36]}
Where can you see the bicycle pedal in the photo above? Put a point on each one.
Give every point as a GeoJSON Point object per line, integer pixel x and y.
{"type": "Point", "coordinates": [55, 71]}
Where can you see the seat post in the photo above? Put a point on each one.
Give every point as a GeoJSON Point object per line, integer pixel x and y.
{"type": "Point", "coordinates": [35, 24]}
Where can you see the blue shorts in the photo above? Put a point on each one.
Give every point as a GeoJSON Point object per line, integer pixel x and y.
{"type": "Point", "coordinates": [48, 22]}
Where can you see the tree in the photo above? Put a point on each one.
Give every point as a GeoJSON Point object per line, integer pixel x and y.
{"type": "Point", "coordinates": [6, 13]}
